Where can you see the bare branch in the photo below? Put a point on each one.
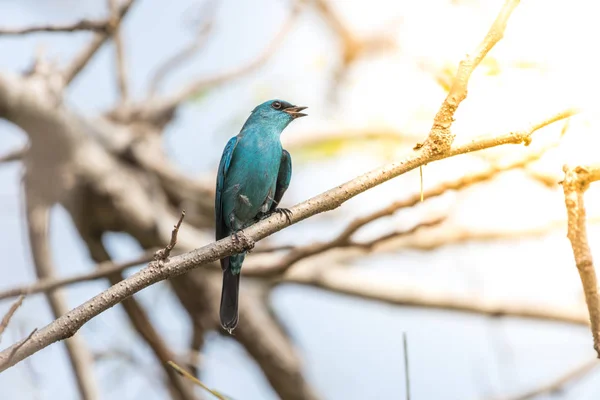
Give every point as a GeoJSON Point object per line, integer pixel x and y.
{"type": "Point", "coordinates": [299, 253]}
{"type": "Point", "coordinates": [195, 380]}
{"type": "Point", "coordinates": [15, 155]}
{"type": "Point", "coordinates": [37, 222]}
{"type": "Point", "coordinates": [193, 88]}
{"type": "Point", "coordinates": [163, 254]}
{"type": "Point", "coordinates": [99, 39]}
{"type": "Point", "coordinates": [178, 58]}
{"type": "Point", "coordinates": [440, 137]}
{"type": "Point", "coordinates": [83, 25]}
{"type": "Point", "coordinates": [68, 324]}
{"type": "Point", "coordinates": [340, 280]}
{"type": "Point", "coordinates": [344, 238]}
{"type": "Point", "coordinates": [120, 54]}
{"type": "Point", "coordinates": [559, 384]}
{"type": "Point", "coordinates": [102, 270]}
{"type": "Point", "coordinates": [142, 324]}
{"type": "Point", "coordinates": [9, 314]}
{"type": "Point", "coordinates": [576, 182]}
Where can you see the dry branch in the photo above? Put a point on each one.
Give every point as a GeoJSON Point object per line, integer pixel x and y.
{"type": "Point", "coordinates": [9, 314]}
{"type": "Point", "coordinates": [99, 39]}
{"type": "Point", "coordinates": [440, 137]}
{"type": "Point", "coordinates": [83, 25]}
{"type": "Point", "coordinates": [115, 19]}
{"type": "Point", "coordinates": [15, 155]}
{"type": "Point", "coordinates": [101, 271]}
{"type": "Point", "coordinates": [576, 182]}
{"type": "Point", "coordinates": [340, 280]}
{"type": "Point", "coordinates": [344, 239]}
{"type": "Point", "coordinates": [38, 215]}
{"type": "Point", "coordinates": [174, 61]}
{"type": "Point", "coordinates": [559, 384]}
{"type": "Point", "coordinates": [177, 265]}
{"type": "Point", "coordinates": [193, 88]}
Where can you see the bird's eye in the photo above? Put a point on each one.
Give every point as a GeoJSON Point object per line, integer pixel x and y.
{"type": "Point", "coordinates": [276, 105]}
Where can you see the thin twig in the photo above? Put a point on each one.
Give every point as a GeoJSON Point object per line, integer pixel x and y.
{"type": "Point", "coordinates": [196, 381]}
{"type": "Point", "coordinates": [342, 281]}
{"type": "Point", "coordinates": [163, 254]}
{"type": "Point", "coordinates": [9, 314]}
{"type": "Point", "coordinates": [38, 225]}
{"type": "Point", "coordinates": [101, 271]}
{"type": "Point", "coordinates": [15, 155]}
{"type": "Point", "coordinates": [576, 182]}
{"type": "Point", "coordinates": [99, 39]}
{"type": "Point", "coordinates": [178, 58]}
{"type": "Point", "coordinates": [193, 88]}
{"type": "Point", "coordinates": [559, 384]}
{"type": "Point", "coordinates": [119, 51]}
{"type": "Point", "coordinates": [22, 343]}
{"type": "Point", "coordinates": [440, 137]}
{"type": "Point", "coordinates": [83, 25]}
{"type": "Point", "coordinates": [406, 369]}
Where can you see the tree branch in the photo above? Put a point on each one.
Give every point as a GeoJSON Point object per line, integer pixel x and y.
{"type": "Point", "coordinates": [440, 137]}
{"type": "Point", "coordinates": [193, 88]}
{"type": "Point", "coordinates": [15, 155]}
{"type": "Point", "coordinates": [38, 215]}
{"type": "Point", "coordinates": [83, 25]}
{"type": "Point", "coordinates": [576, 182]}
{"type": "Point", "coordinates": [344, 238]}
{"type": "Point", "coordinates": [115, 19]}
{"type": "Point", "coordinates": [181, 389]}
{"type": "Point", "coordinates": [9, 314]}
{"type": "Point", "coordinates": [559, 384]}
{"type": "Point", "coordinates": [102, 270]}
{"type": "Point", "coordinates": [99, 39]}
{"type": "Point", "coordinates": [340, 280]}
{"type": "Point", "coordinates": [68, 324]}
{"type": "Point", "coordinates": [174, 61]}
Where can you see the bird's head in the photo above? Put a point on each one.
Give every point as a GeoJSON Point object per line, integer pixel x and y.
{"type": "Point", "coordinates": [277, 112]}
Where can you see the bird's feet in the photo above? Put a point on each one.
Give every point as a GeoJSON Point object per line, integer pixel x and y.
{"type": "Point", "coordinates": [240, 238]}
{"type": "Point", "coordinates": [286, 212]}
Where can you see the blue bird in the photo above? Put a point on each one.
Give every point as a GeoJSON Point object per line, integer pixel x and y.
{"type": "Point", "coordinates": [254, 173]}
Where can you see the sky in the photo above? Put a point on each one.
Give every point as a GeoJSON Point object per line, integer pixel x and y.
{"type": "Point", "coordinates": [351, 348]}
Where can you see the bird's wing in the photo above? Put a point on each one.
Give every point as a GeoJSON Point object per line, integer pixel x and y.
{"type": "Point", "coordinates": [283, 178]}
{"type": "Point", "coordinates": [221, 174]}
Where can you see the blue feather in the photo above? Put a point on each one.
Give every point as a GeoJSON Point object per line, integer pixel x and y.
{"type": "Point", "coordinates": [254, 173]}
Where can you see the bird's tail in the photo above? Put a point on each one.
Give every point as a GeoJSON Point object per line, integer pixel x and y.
{"type": "Point", "coordinates": [230, 291]}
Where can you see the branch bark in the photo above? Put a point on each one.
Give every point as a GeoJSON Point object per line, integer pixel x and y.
{"type": "Point", "coordinates": [83, 25]}
{"type": "Point", "coordinates": [181, 389]}
{"type": "Point", "coordinates": [68, 324]}
{"type": "Point", "coordinates": [440, 137]}
{"type": "Point", "coordinates": [577, 181]}
{"type": "Point", "coordinates": [99, 39]}
{"type": "Point", "coordinates": [9, 314]}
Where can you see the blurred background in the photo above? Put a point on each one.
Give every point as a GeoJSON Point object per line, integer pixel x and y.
{"type": "Point", "coordinates": [480, 276]}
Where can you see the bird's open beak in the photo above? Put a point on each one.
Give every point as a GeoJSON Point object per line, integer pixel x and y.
{"type": "Point", "coordinates": [294, 111]}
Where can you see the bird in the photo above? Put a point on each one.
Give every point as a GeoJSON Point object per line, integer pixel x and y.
{"type": "Point", "coordinates": [254, 172]}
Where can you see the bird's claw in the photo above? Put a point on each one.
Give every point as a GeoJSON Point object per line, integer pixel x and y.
{"type": "Point", "coordinates": [240, 238]}
{"type": "Point", "coordinates": [286, 212]}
